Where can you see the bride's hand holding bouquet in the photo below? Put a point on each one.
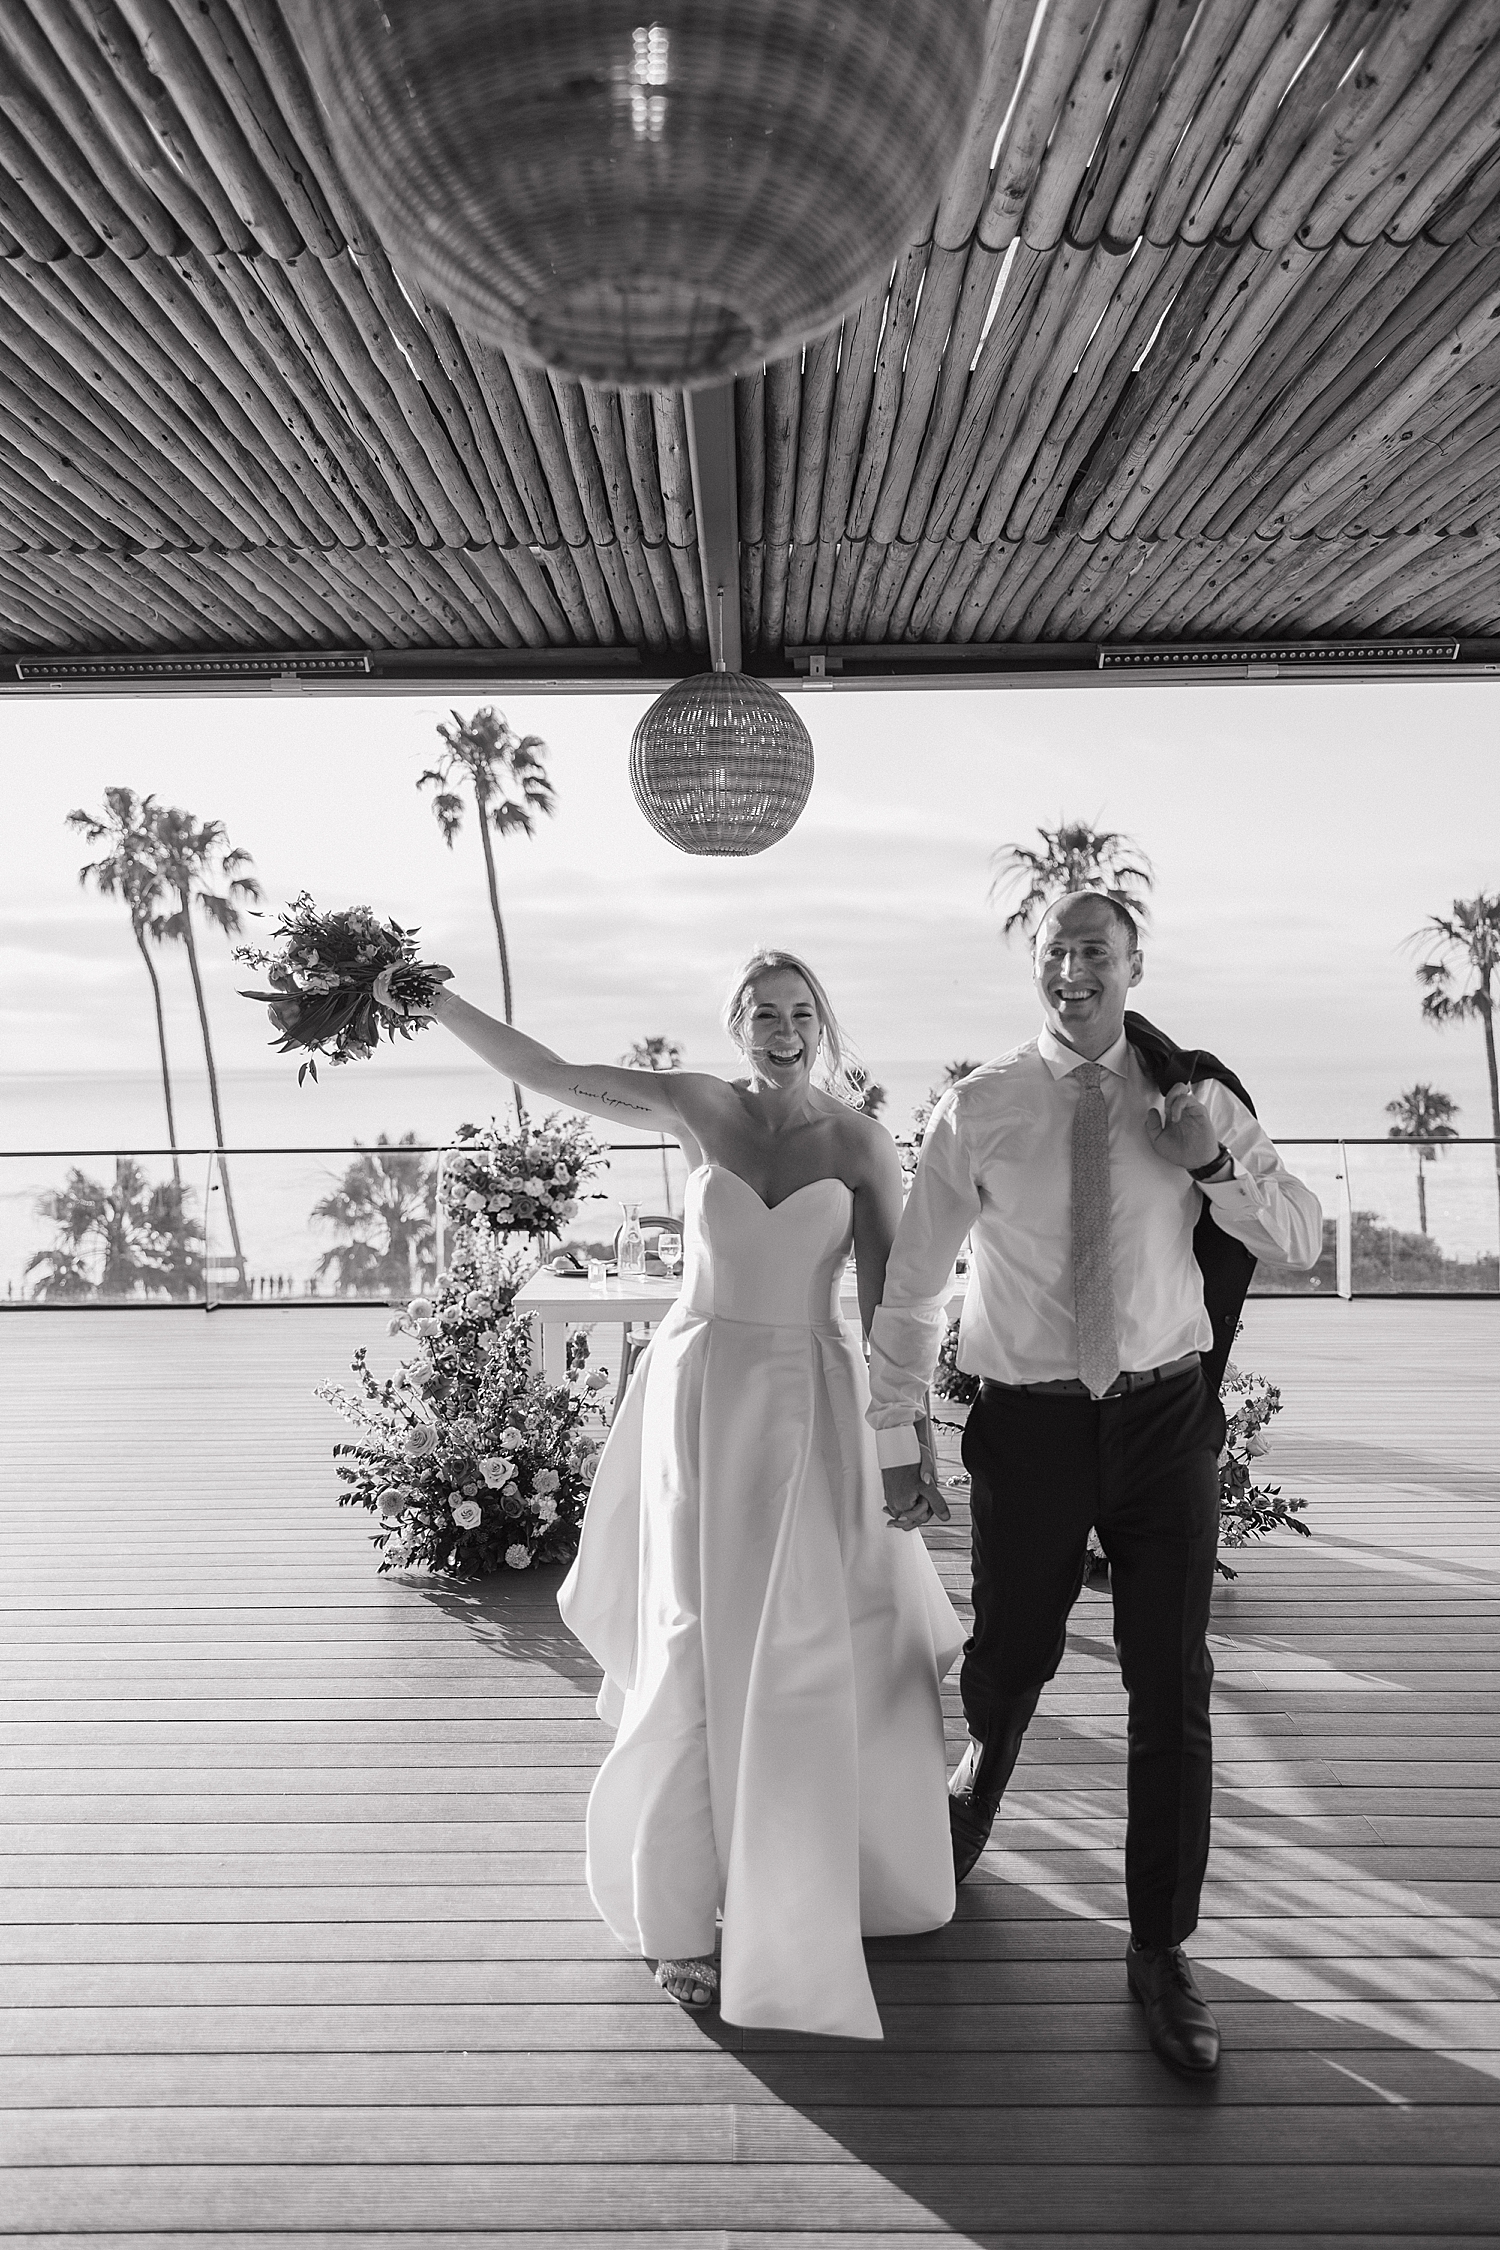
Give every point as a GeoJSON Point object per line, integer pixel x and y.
{"type": "Point", "coordinates": [340, 981]}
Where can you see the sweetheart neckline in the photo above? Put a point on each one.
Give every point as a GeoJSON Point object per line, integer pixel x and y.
{"type": "Point", "coordinates": [828, 1179]}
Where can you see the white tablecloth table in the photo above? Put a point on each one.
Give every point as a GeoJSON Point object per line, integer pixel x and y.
{"type": "Point", "coordinates": [555, 1303]}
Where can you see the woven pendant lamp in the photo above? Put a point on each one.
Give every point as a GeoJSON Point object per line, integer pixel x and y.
{"type": "Point", "coordinates": [645, 195]}
{"type": "Point", "coordinates": [721, 765]}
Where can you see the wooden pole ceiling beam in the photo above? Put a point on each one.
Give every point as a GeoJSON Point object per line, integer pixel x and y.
{"type": "Point", "coordinates": [716, 503]}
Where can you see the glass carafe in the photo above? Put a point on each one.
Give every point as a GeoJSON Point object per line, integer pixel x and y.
{"type": "Point", "coordinates": [630, 1247]}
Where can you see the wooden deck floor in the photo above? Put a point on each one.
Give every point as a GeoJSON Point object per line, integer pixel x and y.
{"type": "Point", "coordinates": [295, 1948]}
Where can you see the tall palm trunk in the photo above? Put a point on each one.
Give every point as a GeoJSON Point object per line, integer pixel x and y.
{"type": "Point", "coordinates": [1487, 1016]}
{"type": "Point", "coordinates": [213, 1089]}
{"type": "Point", "coordinates": [489, 872]}
{"type": "Point", "coordinates": [1422, 1188]}
{"type": "Point", "coordinates": [161, 1044]}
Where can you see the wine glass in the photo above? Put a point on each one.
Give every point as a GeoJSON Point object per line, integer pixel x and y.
{"type": "Point", "coordinates": [669, 1249]}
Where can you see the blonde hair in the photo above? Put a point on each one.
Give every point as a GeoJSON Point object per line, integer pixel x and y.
{"type": "Point", "coordinates": [835, 1063]}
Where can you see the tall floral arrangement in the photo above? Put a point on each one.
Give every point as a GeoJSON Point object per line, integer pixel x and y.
{"type": "Point", "coordinates": [1247, 1509]}
{"type": "Point", "coordinates": [472, 1461]}
{"type": "Point", "coordinates": [523, 1181]}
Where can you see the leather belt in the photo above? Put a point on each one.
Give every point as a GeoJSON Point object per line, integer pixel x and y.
{"type": "Point", "coordinates": [1132, 1379]}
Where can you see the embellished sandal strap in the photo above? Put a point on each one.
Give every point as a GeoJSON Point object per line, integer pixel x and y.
{"type": "Point", "coordinates": [704, 1972]}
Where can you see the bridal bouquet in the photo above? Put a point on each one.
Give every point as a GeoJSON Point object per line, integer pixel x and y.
{"type": "Point", "coordinates": [521, 1182]}
{"type": "Point", "coordinates": [323, 972]}
{"type": "Point", "coordinates": [471, 1460]}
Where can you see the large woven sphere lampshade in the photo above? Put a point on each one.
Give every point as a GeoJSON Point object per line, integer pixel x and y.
{"type": "Point", "coordinates": [721, 765]}
{"type": "Point", "coordinates": [645, 193]}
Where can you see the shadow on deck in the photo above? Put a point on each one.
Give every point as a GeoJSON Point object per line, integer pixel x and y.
{"type": "Point", "coordinates": [296, 1946]}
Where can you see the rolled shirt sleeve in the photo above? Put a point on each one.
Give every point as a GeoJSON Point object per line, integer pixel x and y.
{"type": "Point", "coordinates": [1261, 1203]}
{"type": "Point", "coordinates": [907, 1331]}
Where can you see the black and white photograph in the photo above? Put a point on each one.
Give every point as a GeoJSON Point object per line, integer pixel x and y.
{"type": "Point", "coordinates": [750, 1124]}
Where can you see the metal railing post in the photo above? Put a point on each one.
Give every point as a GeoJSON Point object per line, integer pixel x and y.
{"type": "Point", "coordinates": [1343, 1226]}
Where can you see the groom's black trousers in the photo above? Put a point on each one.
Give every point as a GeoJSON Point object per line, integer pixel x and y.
{"type": "Point", "coordinates": [1142, 1468]}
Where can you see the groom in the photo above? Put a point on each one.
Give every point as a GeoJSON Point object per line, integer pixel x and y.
{"type": "Point", "coordinates": [1081, 1185]}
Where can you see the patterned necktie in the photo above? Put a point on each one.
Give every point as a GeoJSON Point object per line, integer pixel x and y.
{"type": "Point", "coordinates": [1093, 1282]}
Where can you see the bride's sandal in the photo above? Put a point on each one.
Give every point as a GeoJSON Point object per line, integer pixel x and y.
{"type": "Point", "coordinates": [684, 1981]}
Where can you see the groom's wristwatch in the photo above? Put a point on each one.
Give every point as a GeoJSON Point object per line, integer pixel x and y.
{"type": "Point", "coordinates": [1214, 1169]}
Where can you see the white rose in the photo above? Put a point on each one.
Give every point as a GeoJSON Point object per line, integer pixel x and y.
{"type": "Point", "coordinates": [473, 1201]}
{"type": "Point", "coordinates": [533, 1186]}
{"type": "Point", "coordinates": [510, 1438]}
{"type": "Point", "coordinates": [494, 1470]}
{"type": "Point", "coordinates": [569, 1210]}
{"type": "Point", "coordinates": [429, 1326]}
{"type": "Point", "coordinates": [545, 1480]}
{"type": "Point", "coordinates": [477, 1302]}
{"type": "Point", "coordinates": [419, 1441]}
{"type": "Point", "coordinates": [559, 1171]}
{"type": "Point", "coordinates": [518, 1558]}
{"type": "Point", "coordinates": [420, 1308]}
{"type": "Point", "coordinates": [596, 1381]}
{"type": "Point", "coordinates": [546, 1510]}
{"type": "Point", "coordinates": [396, 1326]}
{"type": "Point", "coordinates": [468, 1515]}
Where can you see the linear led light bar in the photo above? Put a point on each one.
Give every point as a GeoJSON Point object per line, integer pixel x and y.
{"type": "Point", "coordinates": [315, 664]}
{"type": "Point", "coordinates": [1191, 656]}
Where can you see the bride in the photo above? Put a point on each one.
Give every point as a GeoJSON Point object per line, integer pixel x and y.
{"type": "Point", "coordinates": [771, 1653]}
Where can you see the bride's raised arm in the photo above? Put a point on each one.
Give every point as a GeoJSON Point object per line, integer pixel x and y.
{"type": "Point", "coordinates": [628, 1097]}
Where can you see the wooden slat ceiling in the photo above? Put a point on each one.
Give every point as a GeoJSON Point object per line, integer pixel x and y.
{"type": "Point", "coordinates": [1207, 348]}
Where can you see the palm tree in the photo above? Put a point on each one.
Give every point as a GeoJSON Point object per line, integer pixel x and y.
{"type": "Point", "coordinates": [952, 1072]}
{"type": "Point", "coordinates": [1074, 857]}
{"type": "Point", "coordinates": [1467, 942]}
{"type": "Point", "coordinates": [130, 870]}
{"type": "Point", "coordinates": [505, 773]}
{"type": "Point", "coordinates": [657, 1053]}
{"type": "Point", "coordinates": [1422, 1115]}
{"type": "Point", "coordinates": [385, 1207]}
{"type": "Point", "coordinates": [113, 1240]}
{"type": "Point", "coordinates": [192, 856]}
{"type": "Point", "coordinates": [872, 1095]}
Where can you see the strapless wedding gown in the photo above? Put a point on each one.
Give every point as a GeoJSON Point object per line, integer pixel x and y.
{"type": "Point", "coordinates": [772, 1649]}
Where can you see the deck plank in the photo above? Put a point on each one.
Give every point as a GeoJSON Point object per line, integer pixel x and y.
{"type": "Point", "coordinates": [297, 1950]}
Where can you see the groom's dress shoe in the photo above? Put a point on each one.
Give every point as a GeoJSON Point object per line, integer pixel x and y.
{"type": "Point", "coordinates": [1178, 2023]}
{"type": "Point", "coordinates": [970, 1819]}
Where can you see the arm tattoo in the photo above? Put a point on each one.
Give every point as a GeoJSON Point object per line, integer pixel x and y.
{"type": "Point", "coordinates": [606, 1101]}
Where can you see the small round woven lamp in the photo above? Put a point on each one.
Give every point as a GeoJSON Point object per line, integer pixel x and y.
{"type": "Point", "coordinates": [721, 765]}
{"type": "Point", "coordinates": [645, 195]}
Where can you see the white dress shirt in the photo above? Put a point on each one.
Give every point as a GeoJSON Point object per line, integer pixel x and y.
{"type": "Point", "coordinates": [996, 1165]}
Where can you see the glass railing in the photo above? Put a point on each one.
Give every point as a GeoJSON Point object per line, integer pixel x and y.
{"type": "Point", "coordinates": [362, 1224]}
{"type": "Point", "coordinates": [1400, 1219]}
{"type": "Point", "coordinates": [255, 1226]}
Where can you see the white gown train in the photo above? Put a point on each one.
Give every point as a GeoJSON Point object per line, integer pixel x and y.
{"type": "Point", "coordinates": [772, 1649]}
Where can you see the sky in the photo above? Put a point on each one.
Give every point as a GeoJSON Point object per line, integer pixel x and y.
{"type": "Point", "coordinates": [1300, 832]}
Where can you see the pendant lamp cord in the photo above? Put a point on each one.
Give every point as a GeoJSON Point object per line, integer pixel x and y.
{"type": "Point", "coordinates": [719, 664]}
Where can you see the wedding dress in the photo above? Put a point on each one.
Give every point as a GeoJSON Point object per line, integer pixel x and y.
{"type": "Point", "coordinates": [772, 1648]}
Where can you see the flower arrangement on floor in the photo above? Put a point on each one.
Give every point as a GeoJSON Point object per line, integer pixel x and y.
{"type": "Point", "coordinates": [948, 1378]}
{"type": "Point", "coordinates": [525, 1180]}
{"type": "Point", "coordinates": [1248, 1510]}
{"type": "Point", "coordinates": [473, 1462]}
{"type": "Point", "coordinates": [322, 971]}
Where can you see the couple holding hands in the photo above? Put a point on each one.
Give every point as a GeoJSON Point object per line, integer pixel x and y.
{"type": "Point", "coordinates": [772, 1638]}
